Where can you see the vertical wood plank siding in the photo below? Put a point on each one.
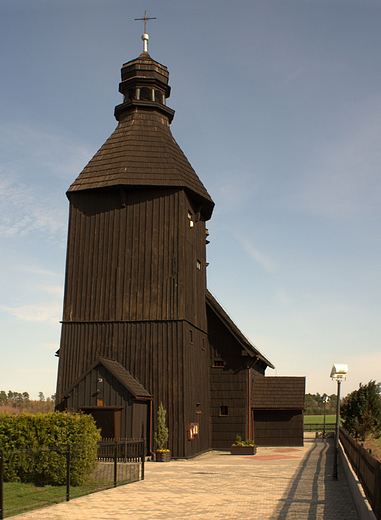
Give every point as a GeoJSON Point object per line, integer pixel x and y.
{"type": "Point", "coordinates": [133, 293]}
{"type": "Point", "coordinates": [229, 385]}
{"type": "Point", "coordinates": [278, 427]}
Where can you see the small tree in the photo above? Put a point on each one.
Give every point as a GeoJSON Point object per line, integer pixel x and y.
{"type": "Point", "coordinates": [161, 433]}
{"type": "Point", "coordinates": [361, 411]}
{"type": "Point", "coordinates": [3, 398]}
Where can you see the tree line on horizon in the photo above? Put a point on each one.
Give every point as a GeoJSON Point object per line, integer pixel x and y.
{"type": "Point", "coordinates": [17, 402]}
{"type": "Point", "coordinates": [314, 404]}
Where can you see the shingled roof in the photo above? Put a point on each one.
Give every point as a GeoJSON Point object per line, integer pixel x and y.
{"type": "Point", "coordinates": [142, 151]}
{"type": "Point", "coordinates": [120, 373]}
{"type": "Point", "coordinates": [278, 392]}
{"type": "Point", "coordinates": [233, 329]}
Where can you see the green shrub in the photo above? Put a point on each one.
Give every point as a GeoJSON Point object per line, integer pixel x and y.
{"type": "Point", "coordinates": [162, 432]}
{"type": "Point", "coordinates": [57, 429]}
{"type": "Point", "coordinates": [239, 442]}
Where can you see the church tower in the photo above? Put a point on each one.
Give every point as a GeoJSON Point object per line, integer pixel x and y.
{"type": "Point", "coordinates": [134, 327]}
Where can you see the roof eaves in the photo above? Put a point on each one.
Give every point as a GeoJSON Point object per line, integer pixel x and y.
{"type": "Point", "coordinates": [232, 327]}
{"type": "Point", "coordinates": [109, 365]}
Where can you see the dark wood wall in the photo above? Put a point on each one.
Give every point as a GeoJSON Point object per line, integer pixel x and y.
{"type": "Point", "coordinates": [135, 292]}
{"type": "Point", "coordinates": [228, 390]}
{"type": "Point", "coordinates": [229, 385]}
{"type": "Point", "coordinates": [132, 255]}
{"type": "Point", "coordinates": [278, 427]}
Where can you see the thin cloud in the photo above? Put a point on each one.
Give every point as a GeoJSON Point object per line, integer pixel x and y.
{"type": "Point", "coordinates": [37, 313]}
{"type": "Point", "coordinates": [23, 210]}
{"type": "Point", "coordinates": [37, 271]}
{"type": "Point", "coordinates": [36, 167]}
{"type": "Point", "coordinates": [26, 148]}
{"type": "Point", "coordinates": [345, 182]}
{"type": "Point", "coordinates": [50, 346]}
{"type": "Point", "coordinates": [31, 371]}
{"type": "Point", "coordinates": [259, 258]}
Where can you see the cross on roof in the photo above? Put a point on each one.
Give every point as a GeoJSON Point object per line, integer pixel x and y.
{"type": "Point", "coordinates": [145, 21]}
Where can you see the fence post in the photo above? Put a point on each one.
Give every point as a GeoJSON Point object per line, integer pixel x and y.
{"type": "Point", "coordinates": [377, 486]}
{"type": "Point", "coordinates": [67, 473]}
{"type": "Point", "coordinates": [142, 448]}
{"type": "Point", "coordinates": [115, 463]}
{"type": "Point", "coordinates": [1, 484]}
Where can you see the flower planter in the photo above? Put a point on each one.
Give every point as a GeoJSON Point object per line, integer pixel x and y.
{"type": "Point", "coordinates": [163, 456]}
{"type": "Point", "coordinates": [243, 450]}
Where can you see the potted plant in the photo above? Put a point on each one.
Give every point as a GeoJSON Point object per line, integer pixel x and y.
{"type": "Point", "coordinates": [161, 436]}
{"type": "Point", "coordinates": [241, 447]}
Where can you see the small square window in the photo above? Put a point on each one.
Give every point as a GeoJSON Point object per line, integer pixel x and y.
{"type": "Point", "coordinates": [224, 410]}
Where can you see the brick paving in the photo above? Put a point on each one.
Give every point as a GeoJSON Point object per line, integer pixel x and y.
{"type": "Point", "coordinates": [274, 484]}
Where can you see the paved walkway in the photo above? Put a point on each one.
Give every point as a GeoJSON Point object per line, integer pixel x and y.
{"type": "Point", "coordinates": [274, 484]}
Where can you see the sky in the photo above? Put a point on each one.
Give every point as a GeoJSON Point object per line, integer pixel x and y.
{"type": "Point", "coordinates": [278, 109]}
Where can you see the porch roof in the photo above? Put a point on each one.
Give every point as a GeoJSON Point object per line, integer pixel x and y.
{"type": "Point", "coordinates": [135, 388]}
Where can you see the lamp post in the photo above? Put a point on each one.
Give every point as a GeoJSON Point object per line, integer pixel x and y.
{"type": "Point", "coordinates": [325, 400]}
{"type": "Point", "coordinates": [338, 373]}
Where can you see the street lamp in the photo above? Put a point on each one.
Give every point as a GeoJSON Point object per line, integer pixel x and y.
{"type": "Point", "coordinates": [338, 373]}
{"type": "Point", "coordinates": [325, 401]}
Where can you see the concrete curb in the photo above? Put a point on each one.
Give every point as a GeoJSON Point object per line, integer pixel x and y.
{"type": "Point", "coordinates": [362, 504]}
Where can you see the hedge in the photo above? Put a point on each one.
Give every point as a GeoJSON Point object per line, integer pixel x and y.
{"type": "Point", "coordinates": [37, 433]}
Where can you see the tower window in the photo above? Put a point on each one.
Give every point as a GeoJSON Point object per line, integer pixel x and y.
{"type": "Point", "coordinates": [198, 265]}
{"type": "Point", "coordinates": [159, 97]}
{"type": "Point", "coordinates": [145, 94]}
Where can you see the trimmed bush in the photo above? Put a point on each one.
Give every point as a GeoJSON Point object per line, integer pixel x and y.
{"type": "Point", "coordinates": [39, 434]}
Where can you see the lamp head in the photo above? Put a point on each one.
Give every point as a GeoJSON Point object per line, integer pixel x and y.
{"type": "Point", "coordinates": [339, 372]}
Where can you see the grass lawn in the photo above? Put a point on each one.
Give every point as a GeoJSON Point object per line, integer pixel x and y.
{"type": "Point", "coordinates": [19, 498]}
{"type": "Point", "coordinates": [319, 419]}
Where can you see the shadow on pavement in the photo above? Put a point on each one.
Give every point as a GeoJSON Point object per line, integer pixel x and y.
{"type": "Point", "coordinates": [314, 494]}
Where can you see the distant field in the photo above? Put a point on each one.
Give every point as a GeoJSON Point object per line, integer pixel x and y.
{"type": "Point", "coordinates": [319, 419]}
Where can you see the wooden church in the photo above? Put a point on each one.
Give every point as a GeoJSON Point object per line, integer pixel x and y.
{"type": "Point", "coordinates": [139, 326]}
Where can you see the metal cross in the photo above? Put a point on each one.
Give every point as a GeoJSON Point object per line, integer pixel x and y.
{"type": "Point", "coordinates": [145, 21]}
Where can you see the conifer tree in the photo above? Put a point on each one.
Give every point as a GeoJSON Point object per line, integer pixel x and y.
{"type": "Point", "coordinates": [161, 433]}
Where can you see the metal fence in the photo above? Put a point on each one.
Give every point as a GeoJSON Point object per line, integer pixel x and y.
{"type": "Point", "coordinates": [319, 427]}
{"type": "Point", "coordinates": [367, 469]}
{"type": "Point", "coordinates": [35, 478]}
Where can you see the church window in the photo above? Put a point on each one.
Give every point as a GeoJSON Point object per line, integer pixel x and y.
{"type": "Point", "coordinates": [224, 410]}
{"type": "Point", "coordinates": [198, 265]}
{"type": "Point", "coordinates": [218, 363]}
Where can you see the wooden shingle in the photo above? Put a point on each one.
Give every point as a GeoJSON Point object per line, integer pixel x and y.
{"type": "Point", "coordinates": [142, 152]}
{"type": "Point", "coordinates": [120, 373]}
{"type": "Point", "coordinates": [278, 393]}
